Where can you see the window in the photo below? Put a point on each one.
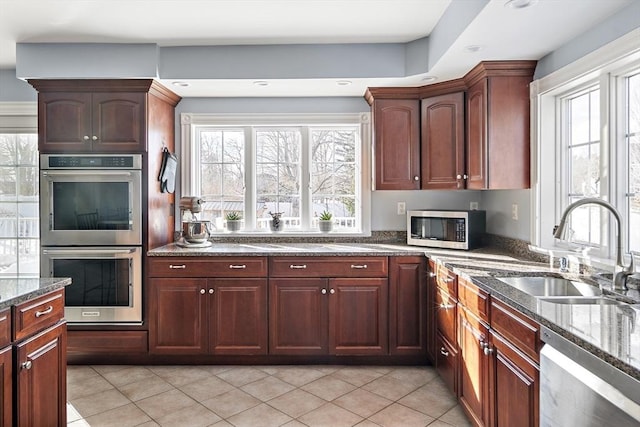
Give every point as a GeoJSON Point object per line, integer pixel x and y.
{"type": "Point", "coordinates": [588, 145]}
{"type": "Point", "coordinates": [299, 166]}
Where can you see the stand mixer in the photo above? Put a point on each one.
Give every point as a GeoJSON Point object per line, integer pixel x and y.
{"type": "Point", "coordinates": [195, 233]}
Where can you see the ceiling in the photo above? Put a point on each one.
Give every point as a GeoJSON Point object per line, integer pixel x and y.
{"type": "Point", "coordinates": [501, 32]}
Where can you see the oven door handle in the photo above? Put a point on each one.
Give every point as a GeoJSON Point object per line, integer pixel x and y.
{"type": "Point", "coordinates": [80, 251]}
{"type": "Point", "coordinates": [77, 173]}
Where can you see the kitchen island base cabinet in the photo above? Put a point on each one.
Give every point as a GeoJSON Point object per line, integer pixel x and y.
{"type": "Point", "coordinates": [41, 379]}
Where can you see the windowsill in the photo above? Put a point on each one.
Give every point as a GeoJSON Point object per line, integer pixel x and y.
{"type": "Point", "coordinates": [582, 257]}
{"type": "Point", "coordinates": [249, 234]}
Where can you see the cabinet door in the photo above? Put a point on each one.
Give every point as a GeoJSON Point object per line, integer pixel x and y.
{"type": "Point", "coordinates": [473, 337]}
{"type": "Point", "coordinates": [431, 312]}
{"type": "Point", "coordinates": [358, 316]}
{"type": "Point", "coordinates": [238, 316]}
{"type": "Point", "coordinates": [443, 148]}
{"type": "Point", "coordinates": [178, 316]}
{"type": "Point", "coordinates": [516, 389]}
{"type": "Point", "coordinates": [397, 144]}
{"type": "Point", "coordinates": [118, 122]}
{"type": "Point", "coordinates": [298, 316]}
{"type": "Point", "coordinates": [477, 136]}
{"type": "Point", "coordinates": [447, 363]}
{"type": "Point", "coordinates": [64, 122]}
{"type": "Point", "coordinates": [41, 386]}
{"type": "Point", "coordinates": [407, 305]}
{"type": "Point", "coordinates": [6, 388]}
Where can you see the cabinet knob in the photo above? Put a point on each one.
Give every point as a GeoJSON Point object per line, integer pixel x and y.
{"type": "Point", "coordinates": [94, 138]}
{"type": "Point", "coordinates": [458, 176]}
{"type": "Point", "coordinates": [211, 291]}
{"type": "Point", "coordinates": [332, 291]}
{"type": "Point", "coordinates": [323, 292]}
{"type": "Point", "coordinates": [444, 352]}
{"type": "Point", "coordinates": [465, 176]}
{"type": "Point", "coordinates": [202, 291]}
{"type": "Point", "coordinates": [432, 274]}
{"type": "Point", "coordinates": [487, 351]}
{"type": "Point", "coordinates": [27, 365]}
{"type": "Point", "coordinates": [416, 178]}
{"type": "Point", "coordinates": [86, 137]}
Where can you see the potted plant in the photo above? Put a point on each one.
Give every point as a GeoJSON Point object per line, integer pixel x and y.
{"type": "Point", "coordinates": [234, 220]}
{"type": "Point", "coordinates": [325, 221]}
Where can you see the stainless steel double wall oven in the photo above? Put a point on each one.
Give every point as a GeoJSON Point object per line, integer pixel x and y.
{"type": "Point", "coordinates": [91, 231]}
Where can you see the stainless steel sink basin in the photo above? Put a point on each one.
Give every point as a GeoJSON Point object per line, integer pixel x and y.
{"type": "Point", "coordinates": [581, 300]}
{"type": "Point", "coordinates": [541, 286]}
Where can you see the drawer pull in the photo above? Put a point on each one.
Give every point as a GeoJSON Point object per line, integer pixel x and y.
{"type": "Point", "coordinates": [177, 267]}
{"type": "Point", "coordinates": [42, 313]}
{"type": "Point", "coordinates": [360, 267]}
{"type": "Point", "coordinates": [444, 352]}
{"type": "Point", "coordinates": [27, 365]}
{"type": "Point", "coordinates": [297, 267]}
{"type": "Point", "coordinates": [237, 267]}
{"type": "Point", "coordinates": [447, 306]}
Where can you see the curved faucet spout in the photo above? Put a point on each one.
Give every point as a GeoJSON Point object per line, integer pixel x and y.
{"type": "Point", "coordinates": [620, 280]}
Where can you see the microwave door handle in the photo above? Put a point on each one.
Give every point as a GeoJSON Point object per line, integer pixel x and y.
{"type": "Point", "coordinates": [86, 251]}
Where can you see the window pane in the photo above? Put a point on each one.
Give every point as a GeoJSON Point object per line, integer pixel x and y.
{"type": "Point", "coordinates": [8, 220]}
{"type": "Point", "coordinates": [633, 85]}
{"type": "Point", "coordinates": [633, 149]}
{"type": "Point", "coordinates": [8, 257]}
{"type": "Point", "coordinates": [27, 149]}
{"type": "Point", "coordinates": [579, 119]}
{"type": "Point", "coordinates": [585, 170]}
{"type": "Point", "coordinates": [8, 152]}
{"type": "Point", "coordinates": [29, 257]}
{"type": "Point", "coordinates": [585, 225]}
{"type": "Point", "coordinates": [27, 183]}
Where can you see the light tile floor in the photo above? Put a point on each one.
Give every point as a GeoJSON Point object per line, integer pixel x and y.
{"type": "Point", "coordinates": [259, 396]}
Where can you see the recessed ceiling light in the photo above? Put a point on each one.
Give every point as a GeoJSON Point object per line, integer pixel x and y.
{"type": "Point", "coordinates": [520, 4]}
{"type": "Point", "coordinates": [181, 84]}
{"type": "Point", "coordinates": [429, 78]}
{"type": "Point", "coordinates": [261, 83]}
{"type": "Point", "coordinates": [343, 82]}
{"type": "Point", "coordinates": [473, 48]}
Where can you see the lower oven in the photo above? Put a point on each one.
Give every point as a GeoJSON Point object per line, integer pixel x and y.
{"type": "Point", "coordinates": [106, 282]}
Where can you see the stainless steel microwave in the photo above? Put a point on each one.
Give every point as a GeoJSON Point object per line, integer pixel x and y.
{"type": "Point", "coordinates": [446, 229]}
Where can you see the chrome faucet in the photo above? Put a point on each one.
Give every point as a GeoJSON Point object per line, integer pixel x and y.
{"type": "Point", "coordinates": [622, 272]}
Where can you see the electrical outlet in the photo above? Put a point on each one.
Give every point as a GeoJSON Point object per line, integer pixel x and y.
{"type": "Point", "coordinates": [473, 206]}
{"type": "Point", "coordinates": [514, 211]}
{"type": "Point", "coordinates": [402, 208]}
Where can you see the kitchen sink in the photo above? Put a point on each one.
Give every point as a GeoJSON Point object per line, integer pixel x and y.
{"type": "Point", "coordinates": [541, 286]}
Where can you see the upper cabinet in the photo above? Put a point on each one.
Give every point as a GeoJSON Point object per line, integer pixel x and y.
{"type": "Point", "coordinates": [472, 133]}
{"type": "Point", "coordinates": [397, 147]}
{"type": "Point", "coordinates": [498, 125]}
{"type": "Point", "coordinates": [96, 116]}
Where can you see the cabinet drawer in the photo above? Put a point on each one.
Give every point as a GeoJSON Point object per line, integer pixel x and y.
{"type": "Point", "coordinates": [208, 267]}
{"type": "Point", "coordinates": [447, 364]}
{"type": "Point", "coordinates": [447, 280]}
{"type": "Point", "coordinates": [5, 327]}
{"type": "Point", "coordinates": [446, 315]}
{"type": "Point", "coordinates": [517, 328]}
{"type": "Point", "coordinates": [37, 314]}
{"type": "Point", "coordinates": [328, 267]}
{"type": "Point", "coordinates": [473, 298]}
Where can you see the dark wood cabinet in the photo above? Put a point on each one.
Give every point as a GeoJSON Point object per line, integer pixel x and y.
{"type": "Point", "coordinates": [204, 312]}
{"type": "Point", "coordinates": [338, 316]}
{"type": "Point", "coordinates": [497, 139]}
{"type": "Point", "coordinates": [447, 362]}
{"type": "Point", "coordinates": [6, 387]}
{"type": "Point", "coordinates": [515, 390]}
{"type": "Point", "coordinates": [473, 338]}
{"type": "Point", "coordinates": [111, 122]}
{"type": "Point", "coordinates": [397, 144]}
{"type": "Point", "coordinates": [41, 381]}
{"type": "Point", "coordinates": [408, 321]}
{"type": "Point", "coordinates": [431, 326]}
{"type": "Point", "coordinates": [443, 143]}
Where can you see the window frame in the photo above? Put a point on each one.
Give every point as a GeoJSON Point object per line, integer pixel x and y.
{"type": "Point", "coordinates": [189, 175]}
{"type": "Point", "coordinates": [604, 67]}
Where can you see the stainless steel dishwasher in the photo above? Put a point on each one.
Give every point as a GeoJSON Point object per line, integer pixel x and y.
{"type": "Point", "coordinates": [580, 389]}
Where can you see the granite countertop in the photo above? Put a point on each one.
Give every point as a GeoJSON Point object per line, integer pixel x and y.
{"type": "Point", "coordinates": [16, 291]}
{"type": "Point", "coordinates": [611, 332]}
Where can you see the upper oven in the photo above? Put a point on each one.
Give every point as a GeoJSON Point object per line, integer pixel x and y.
{"type": "Point", "coordinates": [90, 199]}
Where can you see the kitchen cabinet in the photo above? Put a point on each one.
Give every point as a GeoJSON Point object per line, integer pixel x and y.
{"type": "Point", "coordinates": [6, 369]}
{"type": "Point", "coordinates": [407, 305]}
{"type": "Point", "coordinates": [473, 338]}
{"type": "Point", "coordinates": [431, 311]}
{"type": "Point", "coordinates": [447, 357]}
{"type": "Point", "coordinates": [111, 122]}
{"type": "Point", "coordinates": [397, 144]}
{"type": "Point", "coordinates": [39, 364]}
{"type": "Point", "coordinates": [208, 306]}
{"type": "Point", "coordinates": [497, 126]}
{"type": "Point", "coordinates": [328, 305]}
{"type": "Point", "coordinates": [443, 143]}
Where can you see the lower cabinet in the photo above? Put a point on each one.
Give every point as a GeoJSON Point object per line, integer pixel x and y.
{"type": "Point", "coordinates": [338, 316]}
{"type": "Point", "coordinates": [208, 316]}
{"type": "Point", "coordinates": [6, 387]}
{"type": "Point", "coordinates": [407, 306]}
{"type": "Point", "coordinates": [41, 380]}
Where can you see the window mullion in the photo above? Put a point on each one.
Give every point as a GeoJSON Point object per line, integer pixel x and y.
{"type": "Point", "coordinates": [305, 179]}
{"type": "Point", "coordinates": [250, 190]}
